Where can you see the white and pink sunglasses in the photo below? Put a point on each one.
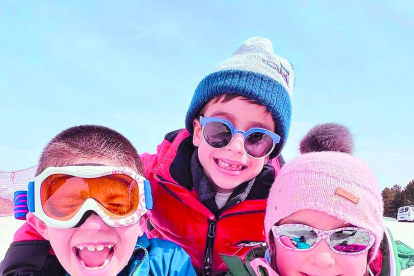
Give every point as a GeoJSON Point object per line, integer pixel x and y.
{"type": "Point", "coordinates": [346, 240]}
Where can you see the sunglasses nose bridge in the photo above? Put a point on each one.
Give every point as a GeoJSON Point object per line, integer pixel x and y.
{"type": "Point", "coordinates": [242, 134]}
{"type": "Point", "coordinates": [239, 131]}
{"type": "Point", "coordinates": [322, 255]}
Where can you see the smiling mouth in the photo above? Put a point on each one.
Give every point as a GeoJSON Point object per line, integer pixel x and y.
{"type": "Point", "coordinates": [230, 167]}
{"type": "Point", "coordinates": [94, 256]}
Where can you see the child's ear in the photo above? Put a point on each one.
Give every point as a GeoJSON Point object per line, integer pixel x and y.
{"type": "Point", "coordinates": [197, 133]}
{"type": "Point", "coordinates": [38, 225]}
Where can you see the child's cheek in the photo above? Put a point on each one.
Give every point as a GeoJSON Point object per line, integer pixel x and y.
{"type": "Point", "coordinates": [128, 236]}
{"type": "Point", "coordinates": [60, 242]}
{"type": "Point", "coordinates": [288, 261]}
{"type": "Point", "coordinates": [353, 265]}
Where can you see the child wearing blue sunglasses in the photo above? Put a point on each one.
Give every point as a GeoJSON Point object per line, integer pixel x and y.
{"type": "Point", "coordinates": [210, 180]}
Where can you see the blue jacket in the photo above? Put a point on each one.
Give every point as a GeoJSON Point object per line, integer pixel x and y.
{"type": "Point", "coordinates": [157, 257]}
{"type": "Point", "coordinates": [152, 257]}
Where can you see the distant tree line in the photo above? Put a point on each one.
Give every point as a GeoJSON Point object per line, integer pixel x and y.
{"type": "Point", "coordinates": [396, 197]}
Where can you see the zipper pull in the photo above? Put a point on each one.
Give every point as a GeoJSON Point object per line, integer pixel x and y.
{"type": "Point", "coordinates": [208, 256]}
{"type": "Point", "coordinates": [211, 230]}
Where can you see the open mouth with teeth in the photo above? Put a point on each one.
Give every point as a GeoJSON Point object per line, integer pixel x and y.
{"type": "Point", "coordinates": [229, 167]}
{"type": "Point", "coordinates": [94, 256]}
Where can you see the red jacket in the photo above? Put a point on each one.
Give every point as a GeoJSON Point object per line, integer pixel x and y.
{"type": "Point", "coordinates": [179, 216]}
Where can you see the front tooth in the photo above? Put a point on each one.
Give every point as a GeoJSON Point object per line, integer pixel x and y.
{"type": "Point", "coordinates": [223, 164]}
{"type": "Point", "coordinates": [91, 248]}
{"type": "Point", "coordinates": [99, 247]}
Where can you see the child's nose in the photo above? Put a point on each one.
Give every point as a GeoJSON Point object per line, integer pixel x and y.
{"type": "Point", "coordinates": [94, 224]}
{"type": "Point", "coordinates": [236, 144]}
{"type": "Point", "coordinates": [322, 256]}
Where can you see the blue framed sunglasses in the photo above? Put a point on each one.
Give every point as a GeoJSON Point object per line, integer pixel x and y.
{"type": "Point", "coordinates": [219, 133]}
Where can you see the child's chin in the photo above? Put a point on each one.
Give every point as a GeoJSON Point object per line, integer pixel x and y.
{"type": "Point", "coordinates": [226, 182]}
{"type": "Point", "coordinates": [223, 186]}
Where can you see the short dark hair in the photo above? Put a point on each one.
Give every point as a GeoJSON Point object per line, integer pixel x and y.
{"type": "Point", "coordinates": [89, 141]}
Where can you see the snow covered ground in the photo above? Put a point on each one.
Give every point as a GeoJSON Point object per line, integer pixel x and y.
{"type": "Point", "coordinates": [402, 231]}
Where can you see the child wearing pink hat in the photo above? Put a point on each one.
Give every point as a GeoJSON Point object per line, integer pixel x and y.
{"type": "Point", "coordinates": [324, 214]}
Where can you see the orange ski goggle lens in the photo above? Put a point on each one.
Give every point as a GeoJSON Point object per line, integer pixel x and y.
{"type": "Point", "coordinates": [63, 195]}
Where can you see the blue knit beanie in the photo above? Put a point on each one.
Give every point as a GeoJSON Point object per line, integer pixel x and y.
{"type": "Point", "coordinates": [254, 72]}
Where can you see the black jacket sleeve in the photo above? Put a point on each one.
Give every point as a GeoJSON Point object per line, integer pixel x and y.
{"type": "Point", "coordinates": [30, 258]}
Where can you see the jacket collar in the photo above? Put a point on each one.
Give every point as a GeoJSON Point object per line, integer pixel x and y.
{"type": "Point", "coordinates": [206, 191]}
{"type": "Point", "coordinates": [138, 264]}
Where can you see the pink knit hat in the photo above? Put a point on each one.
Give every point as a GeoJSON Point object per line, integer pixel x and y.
{"type": "Point", "coordinates": [331, 181]}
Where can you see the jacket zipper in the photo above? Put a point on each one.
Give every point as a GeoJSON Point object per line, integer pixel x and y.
{"type": "Point", "coordinates": [137, 268]}
{"type": "Point", "coordinates": [208, 255]}
{"type": "Point", "coordinates": [211, 234]}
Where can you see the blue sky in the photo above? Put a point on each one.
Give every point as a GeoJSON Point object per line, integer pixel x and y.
{"type": "Point", "coordinates": [133, 66]}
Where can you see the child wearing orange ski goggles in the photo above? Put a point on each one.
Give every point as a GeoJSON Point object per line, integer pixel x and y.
{"type": "Point", "coordinates": [60, 196]}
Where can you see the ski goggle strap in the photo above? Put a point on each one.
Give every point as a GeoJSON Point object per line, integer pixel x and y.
{"type": "Point", "coordinates": [61, 196]}
{"type": "Point", "coordinates": [20, 205]}
{"type": "Point", "coordinates": [346, 240]}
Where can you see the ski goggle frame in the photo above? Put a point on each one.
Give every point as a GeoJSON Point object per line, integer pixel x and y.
{"type": "Point", "coordinates": [219, 133]}
{"type": "Point", "coordinates": [346, 240]}
{"type": "Point", "coordinates": [60, 196]}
